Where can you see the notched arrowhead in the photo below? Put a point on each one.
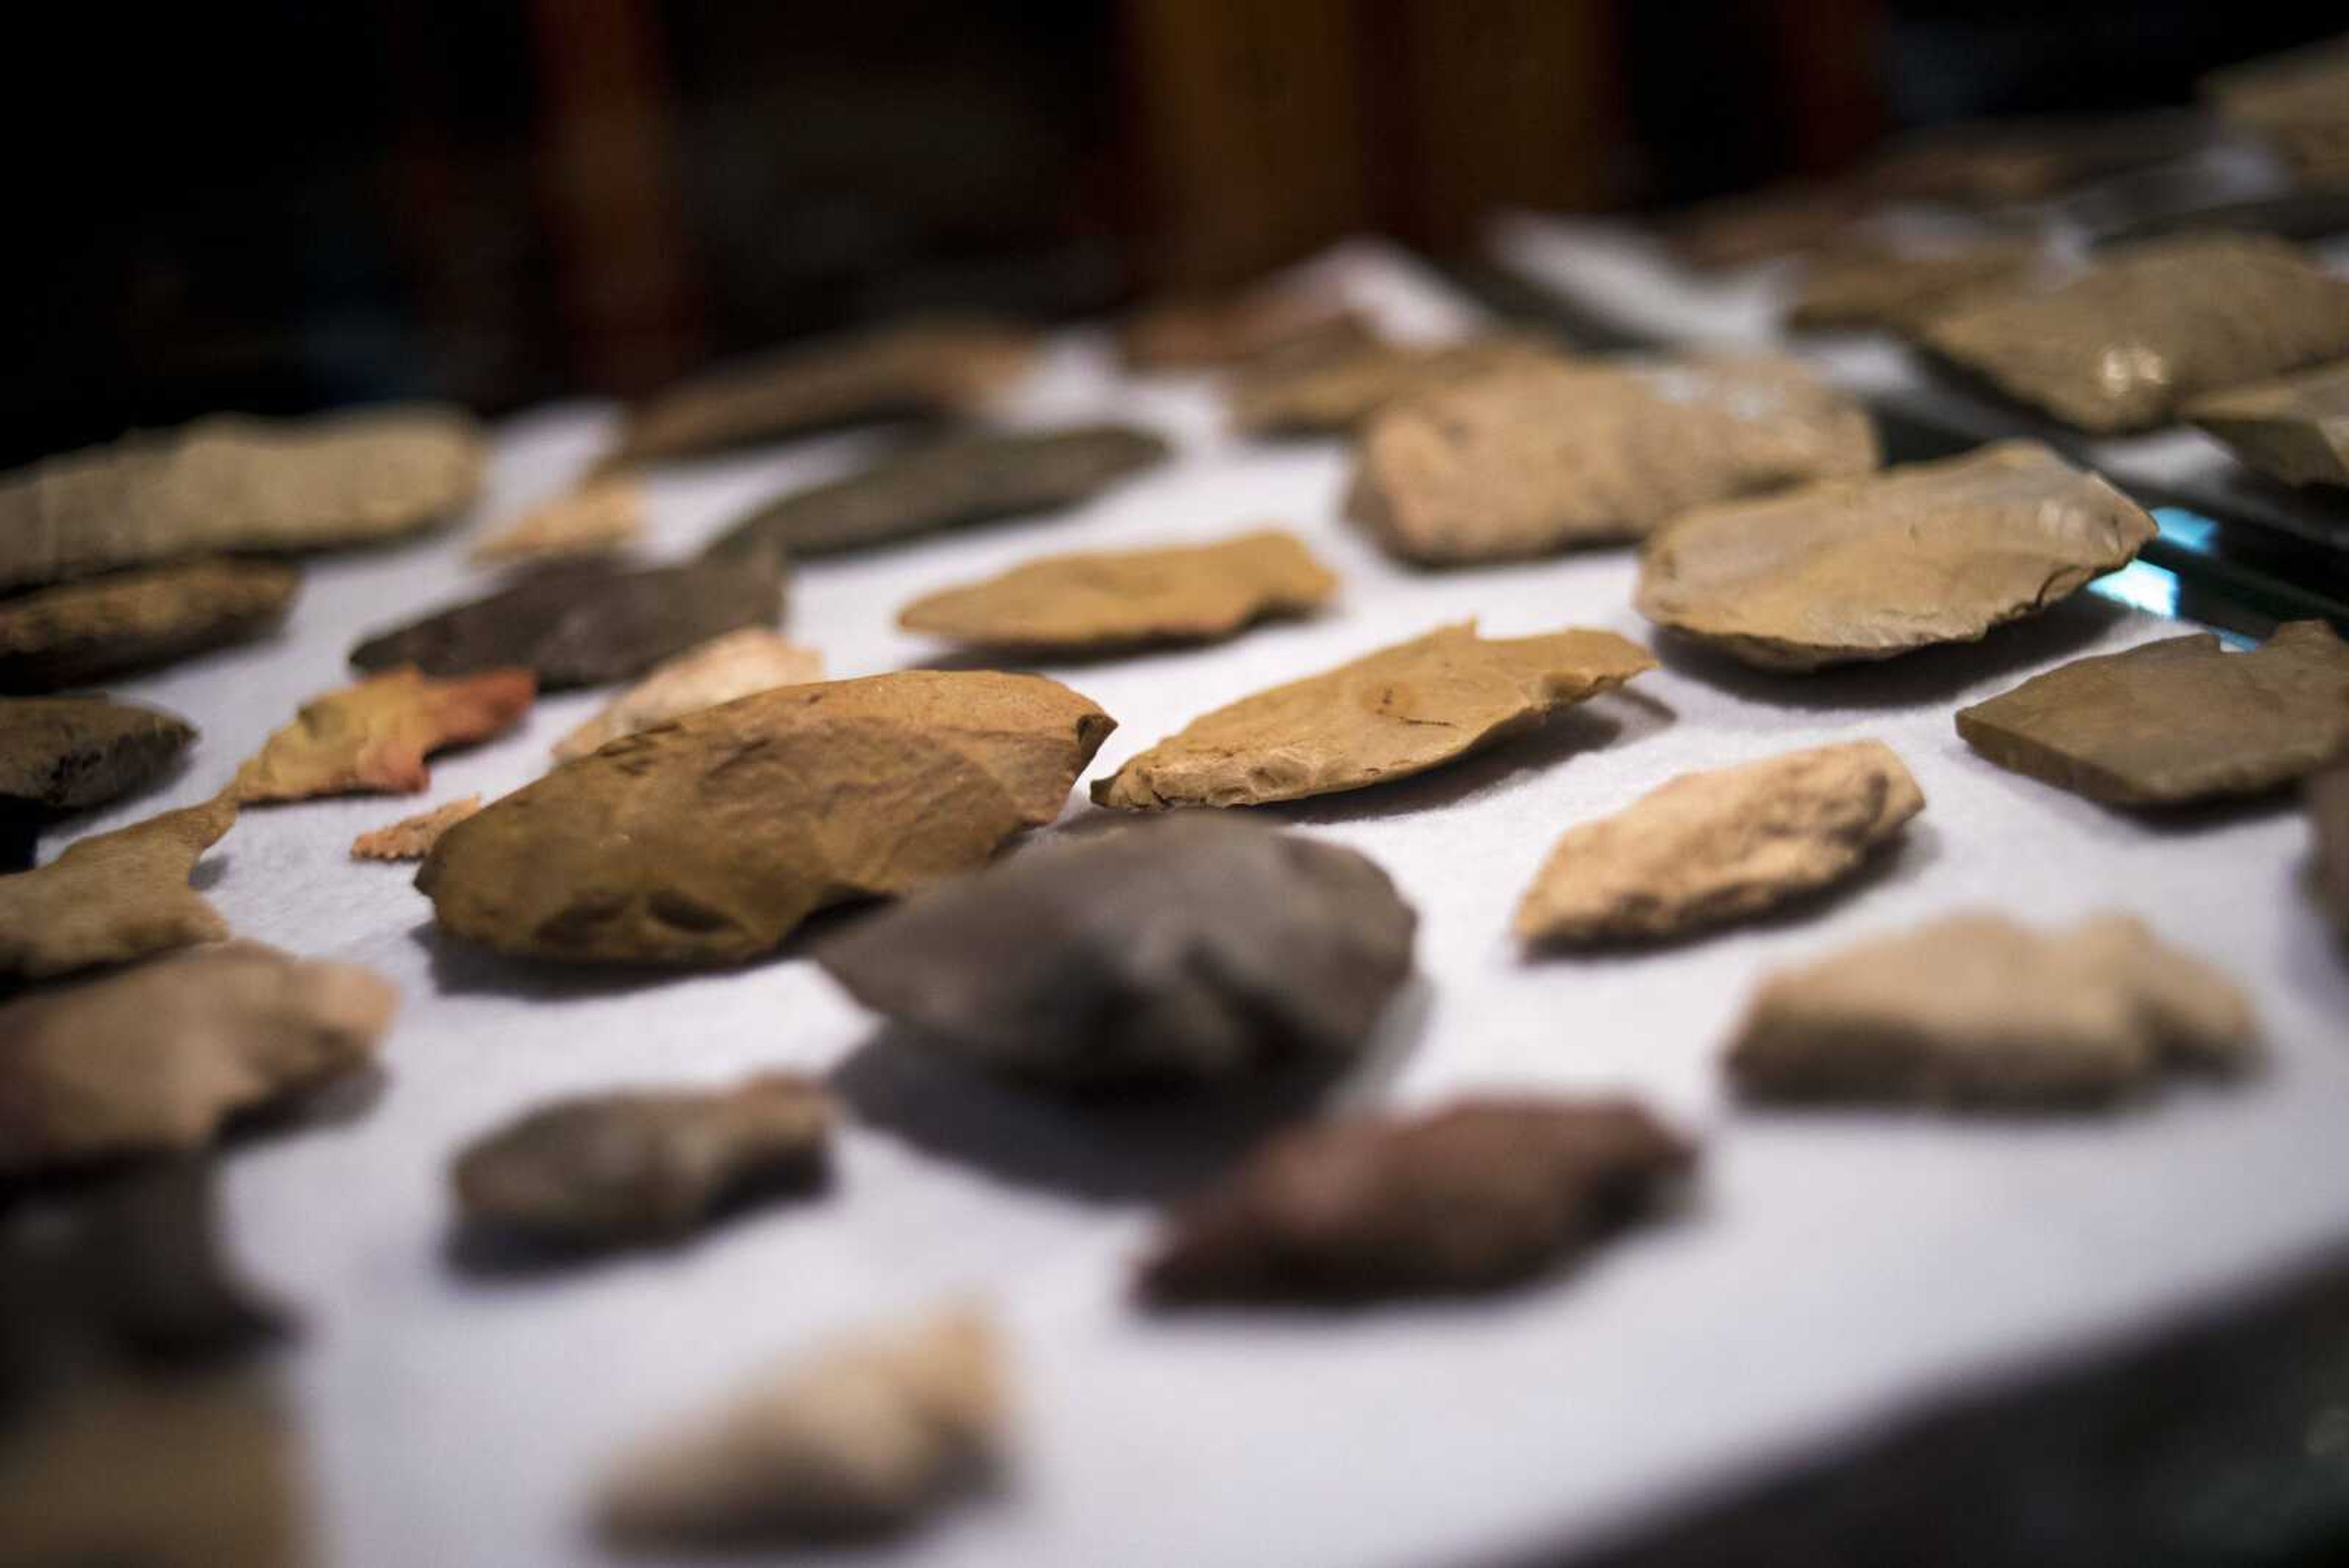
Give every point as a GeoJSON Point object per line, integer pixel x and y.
{"type": "Point", "coordinates": [113, 896]}
{"type": "Point", "coordinates": [2122, 345]}
{"type": "Point", "coordinates": [1484, 1195]}
{"type": "Point", "coordinates": [1388, 715]}
{"type": "Point", "coordinates": [646, 1164]}
{"type": "Point", "coordinates": [76, 633]}
{"type": "Point", "coordinates": [1184, 950]}
{"type": "Point", "coordinates": [373, 738]}
{"type": "Point", "coordinates": [709, 839]}
{"type": "Point", "coordinates": [719, 670]}
{"type": "Point", "coordinates": [1544, 456]}
{"type": "Point", "coordinates": [949, 483]}
{"type": "Point", "coordinates": [586, 623]}
{"type": "Point", "coordinates": [1708, 849]}
{"type": "Point", "coordinates": [412, 838]}
{"type": "Point", "coordinates": [1105, 600]}
{"type": "Point", "coordinates": [1870, 568]}
{"type": "Point", "coordinates": [2175, 721]}
{"type": "Point", "coordinates": [861, 1438]}
{"type": "Point", "coordinates": [156, 1058]}
{"type": "Point", "coordinates": [1976, 1009]}
{"type": "Point", "coordinates": [71, 754]}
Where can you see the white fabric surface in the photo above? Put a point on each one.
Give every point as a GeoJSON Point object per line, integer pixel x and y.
{"type": "Point", "coordinates": [1832, 1269]}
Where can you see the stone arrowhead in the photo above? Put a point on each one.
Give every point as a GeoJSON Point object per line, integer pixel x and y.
{"type": "Point", "coordinates": [937, 368]}
{"type": "Point", "coordinates": [644, 1165]}
{"type": "Point", "coordinates": [1708, 849]}
{"type": "Point", "coordinates": [1385, 716]}
{"type": "Point", "coordinates": [1103, 600]}
{"type": "Point", "coordinates": [1867, 568]}
{"type": "Point", "coordinates": [601, 517]}
{"type": "Point", "coordinates": [2177, 721]}
{"type": "Point", "coordinates": [1486, 1194]}
{"type": "Point", "coordinates": [71, 754]}
{"type": "Point", "coordinates": [586, 624]}
{"type": "Point", "coordinates": [950, 483]}
{"type": "Point", "coordinates": [2122, 346]}
{"type": "Point", "coordinates": [373, 738]}
{"type": "Point", "coordinates": [2296, 429]}
{"type": "Point", "coordinates": [1975, 1009]}
{"type": "Point", "coordinates": [76, 633]}
{"type": "Point", "coordinates": [864, 1437]}
{"type": "Point", "coordinates": [1207, 333]}
{"type": "Point", "coordinates": [1873, 287]}
{"type": "Point", "coordinates": [1542, 456]}
{"type": "Point", "coordinates": [1185, 949]}
{"type": "Point", "coordinates": [719, 670]}
{"type": "Point", "coordinates": [412, 838]}
{"type": "Point", "coordinates": [233, 484]}
{"type": "Point", "coordinates": [1333, 393]}
{"type": "Point", "coordinates": [156, 1058]}
{"type": "Point", "coordinates": [708, 840]}
{"type": "Point", "coordinates": [113, 896]}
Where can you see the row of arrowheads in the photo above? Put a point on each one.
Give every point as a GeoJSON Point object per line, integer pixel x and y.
{"type": "Point", "coordinates": [730, 793]}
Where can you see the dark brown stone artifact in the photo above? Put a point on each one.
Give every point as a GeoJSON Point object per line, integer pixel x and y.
{"type": "Point", "coordinates": [373, 738]}
{"type": "Point", "coordinates": [1487, 1194]}
{"type": "Point", "coordinates": [646, 1166]}
{"type": "Point", "coordinates": [1121, 598]}
{"type": "Point", "coordinates": [2125, 344]}
{"type": "Point", "coordinates": [861, 1438]}
{"type": "Point", "coordinates": [70, 753]}
{"type": "Point", "coordinates": [113, 896]}
{"type": "Point", "coordinates": [1977, 1010]}
{"type": "Point", "coordinates": [1543, 456]}
{"type": "Point", "coordinates": [1385, 716]}
{"type": "Point", "coordinates": [1711, 847]}
{"type": "Point", "coordinates": [587, 624]}
{"type": "Point", "coordinates": [1187, 950]}
{"type": "Point", "coordinates": [923, 369]}
{"type": "Point", "coordinates": [948, 485]}
{"type": "Point", "coordinates": [412, 838]}
{"type": "Point", "coordinates": [2328, 822]}
{"type": "Point", "coordinates": [1208, 333]}
{"type": "Point", "coordinates": [1875, 287]}
{"type": "Point", "coordinates": [1858, 569]}
{"type": "Point", "coordinates": [156, 1058]}
{"type": "Point", "coordinates": [230, 483]}
{"type": "Point", "coordinates": [2177, 721]}
{"type": "Point", "coordinates": [708, 840]}
{"type": "Point", "coordinates": [1334, 393]}
{"type": "Point", "coordinates": [79, 632]}
{"type": "Point", "coordinates": [1994, 162]}
{"type": "Point", "coordinates": [2296, 429]}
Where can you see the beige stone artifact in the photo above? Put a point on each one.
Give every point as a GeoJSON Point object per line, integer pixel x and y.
{"type": "Point", "coordinates": [2296, 429]}
{"type": "Point", "coordinates": [412, 838]}
{"type": "Point", "coordinates": [1204, 333]}
{"type": "Point", "coordinates": [1387, 715]}
{"type": "Point", "coordinates": [1976, 1009]}
{"type": "Point", "coordinates": [1899, 291]}
{"type": "Point", "coordinates": [644, 1165]}
{"type": "Point", "coordinates": [940, 368]}
{"type": "Point", "coordinates": [2177, 721]}
{"type": "Point", "coordinates": [373, 738]}
{"type": "Point", "coordinates": [1708, 849]}
{"type": "Point", "coordinates": [734, 665]}
{"type": "Point", "coordinates": [1332, 393]}
{"type": "Point", "coordinates": [708, 840]}
{"type": "Point", "coordinates": [1858, 569]}
{"type": "Point", "coordinates": [75, 633]}
{"type": "Point", "coordinates": [861, 1438]}
{"type": "Point", "coordinates": [1543, 456]}
{"type": "Point", "coordinates": [113, 896]}
{"type": "Point", "coordinates": [2125, 344]}
{"type": "Point", "coordinates": [156, 1058]}
{"type": "Point", "coordinates": [600, 517]}
{"type": "Point", "coordinates": [1100, 600]}
{"type": "Point", "coordinates": [235, 484]}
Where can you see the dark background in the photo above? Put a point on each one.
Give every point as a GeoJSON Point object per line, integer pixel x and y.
{"type": "Point", "coordinates": [277, 206]}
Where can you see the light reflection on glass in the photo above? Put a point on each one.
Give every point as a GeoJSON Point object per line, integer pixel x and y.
{"type": "Point", "coordinates": [2187, 530]}
{"type": "Point", "coordinates": [2140, 585]}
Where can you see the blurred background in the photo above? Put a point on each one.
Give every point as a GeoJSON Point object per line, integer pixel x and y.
{"type": "Point", "coordinates": [276, 206]}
